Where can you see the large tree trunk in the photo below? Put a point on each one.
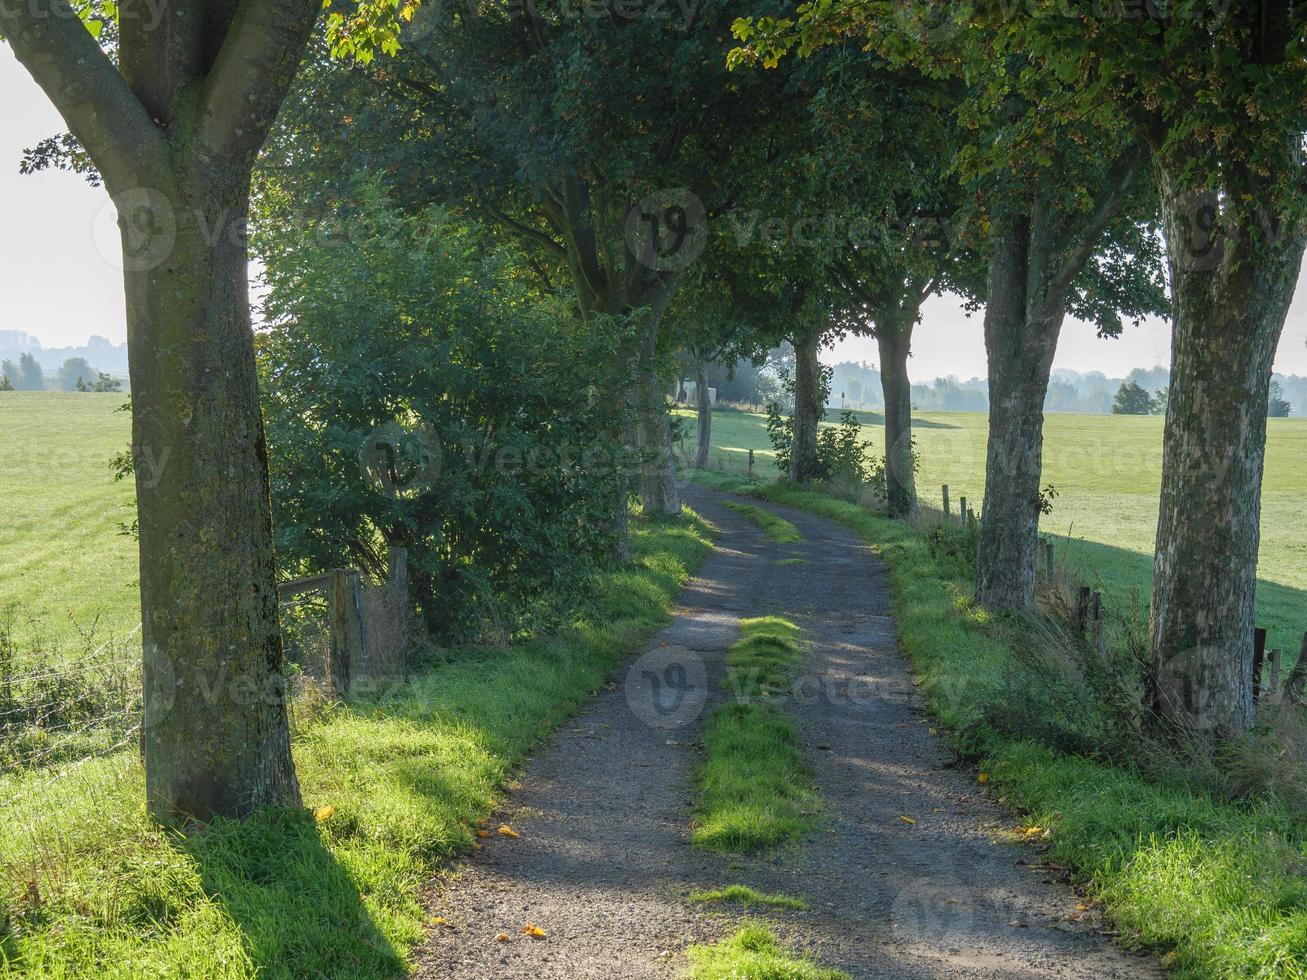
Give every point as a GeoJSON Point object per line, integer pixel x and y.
{"type": "Point", "coordinates": [705, 414]}
{"type": "Point", "coordinates": [658, 488]}
{"type": "Point", "coordinates": [1229, 313]}
{"type": "Point", "coordinates": [1020, 354]}
{"type": "Point", "coordinates": [894, 342]}
{"type": "Point", "coordinates": [809, 406]}
{"type": "Point", "coordinates": [215, 735]}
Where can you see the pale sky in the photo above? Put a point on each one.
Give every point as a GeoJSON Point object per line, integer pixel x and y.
{"type": "Point", "coordinates": [60, 281]}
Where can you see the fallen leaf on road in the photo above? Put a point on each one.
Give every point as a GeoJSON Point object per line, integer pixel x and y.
{"type": "Point", "coordinates": [506, 831]}
{"type": "Point", "coordinates": [483, 834]}
{"type": "Point", "coordinates": [438, 920]}
{"type": "Point", "coordinates": [501, 937]}
{"type": "Point", "coordinates": [533, 930]}
{"type": "Point", "coordinates": [982, 778]}
{"type": "Point", "coordinates": [907, 820]}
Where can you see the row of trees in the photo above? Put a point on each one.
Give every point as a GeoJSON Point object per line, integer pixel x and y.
{"type": "Point", "coordinates": [1085, 129]}
{"type": "Point", "coordinates": [658, 202]}
{"type": "Point", "coordinates": [75, 374]}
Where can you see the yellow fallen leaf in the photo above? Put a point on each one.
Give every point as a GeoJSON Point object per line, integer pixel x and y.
{"type": "Point", "coordinates": [1033, 830]}
{"type": "Point", "coordinates": [982, 778]}
{"type": "Point", "coordinates": [483, 834]}
{"type": "Point", "coordinates": [907, 820]}
{"type": "Point", "coordinates": [533, 930]}
{"type": "Point", "coordinates": [932, 731]}
{"type": "Point", "coordinates": [501, 937]}
{"type": "Point", "coordinates": [438, 920]}
{"type": "Point", "coordinates": [323, 813]}
{"type": "Point", "coordinates": [506, 831]}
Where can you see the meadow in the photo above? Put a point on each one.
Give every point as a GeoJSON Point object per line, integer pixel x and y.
{"type": "Point", "coordinates": [65, 568]}
{"type": "Point", "coordinates": [1107, 470]}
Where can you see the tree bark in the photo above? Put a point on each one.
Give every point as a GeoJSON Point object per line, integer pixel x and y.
{"type": "Point", "coordinates": [705, 414]}
{"type": "Point", "coordinates": [658, 489]}
{"type": "Point", "coordinates": [809, 406]}
{"type": "Point", "coordinates": [894, 342]}
{"type": "Point", "coordinates": [215, 734]}
{"type": "Point", "coordinates": [1230, 300]}
{"type": "Point", "coordinates": [1020, 353]}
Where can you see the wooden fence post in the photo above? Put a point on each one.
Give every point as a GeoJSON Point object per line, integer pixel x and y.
{"type": "Point", "coordinates": [971, 517]}
{"type": "Point", "coordinates": [945, 489]}
{"type": "Point", "coordinates": [1259, 657]}
{"type": "Point", "coordinates": [1274, 684]}
{"type": "Point", "coordinates": [1293, 687]}
{"type": "Point", "coordinates": [750, 464]}
{"type": "Point", "coordinates": [348, 632]}
{"type": "Point", "coordinates": [1082, 608]}
{"type": "Point", "coordinates": [962, 511]}
{"type": "Point", "coordinates": [1096, 605]}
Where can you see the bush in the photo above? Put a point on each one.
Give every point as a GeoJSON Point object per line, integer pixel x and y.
{"type": "Point", "coordinates": [418, 393]}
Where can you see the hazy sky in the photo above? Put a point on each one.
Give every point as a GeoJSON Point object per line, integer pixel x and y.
{"type": "Point", "coordinates": [59, 280]}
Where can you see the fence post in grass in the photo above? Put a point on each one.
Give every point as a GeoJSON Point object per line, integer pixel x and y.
{"type": "Point", "coordinates": [1048, 560]}
{"type": "Point", "coordinates": [1274, 684]}
{"type": "Point", "coordinates": [348, 632]}
{"type": "Point", "coordinates": [945, 489]}
{"type": "Point", "coordinates": [1259, 658]}
{"type": "Point", "coordinates": [962, 511]}
{"type": "Point", "coordinates": [1293, 687]}
{"type": "Point", "coordinates": [1082, 608]}
{"type": "Point", "coordinates": [1096, 608]}
{"type": "Point", "coordinates": [971, 517]}
{"type": "Point", "coordinates": [750, 464]}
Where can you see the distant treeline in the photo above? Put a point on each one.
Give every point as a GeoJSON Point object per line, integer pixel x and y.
{"type": "Point", "coordinates": [858, 385]}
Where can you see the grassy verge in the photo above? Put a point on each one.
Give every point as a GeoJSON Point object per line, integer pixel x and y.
{"type": "Point", "coordinates": [753, 954]}
{"type": "Point", "coordinates": [398, 785]}
{"type": "Point", "coordinates": [755, 791]}
{"type": "Point", "coordinates": [1220, 886]}
{"type": "Point", "coordinates": [776, 528]}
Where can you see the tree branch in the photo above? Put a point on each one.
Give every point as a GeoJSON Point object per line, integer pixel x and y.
{"type": "Point", "coordinates": [53, 44]}
{"type": "Point", "coordinates": [525, 230]}
{"type": "Point", "coordinates": [252, 74]}
{"type": "Point", "coordinates": [1123, 172]}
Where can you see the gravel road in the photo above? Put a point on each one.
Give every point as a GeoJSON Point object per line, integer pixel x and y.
{"type": "Point", "coordinates": [603, 862]}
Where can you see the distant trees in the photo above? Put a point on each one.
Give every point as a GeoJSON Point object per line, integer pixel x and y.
{"type": "Point", "coordinates": [26, 375]}
{"type": "Point", "coordinates": [75, 374]}
{"type": "Point", "coordinates": [1132, 399]}
{"type": "Point", "coordinates": [5, 383]}
{"type": "Point", "coordinates": [1276, 406]}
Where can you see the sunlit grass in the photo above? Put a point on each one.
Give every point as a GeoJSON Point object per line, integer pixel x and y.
{"type": "Point", "coordinates": [753, 954]}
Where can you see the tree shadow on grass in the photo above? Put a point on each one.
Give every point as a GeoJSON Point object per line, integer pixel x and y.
{"type": "Point", "coordinates": [1125, 579]}
{"type": "Point", "coordinates": [299, 910]}
{"type": "Point", "coordinates": [878, 418]}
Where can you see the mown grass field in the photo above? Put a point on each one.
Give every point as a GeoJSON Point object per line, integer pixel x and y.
{"type": "Point", "coordinates": [1107, 470]}
{"type": "Point", "coordinates": [63, 565]}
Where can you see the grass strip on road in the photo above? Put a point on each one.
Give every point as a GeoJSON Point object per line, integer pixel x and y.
{"type": "Point", "coordinates": [776, 528]}
{"type": "Point", "coordinates": [753, 954]}
{"type": "Point", "coordinates": [748, 897]}
{"type": "Point", "coordinates": [755, 791]}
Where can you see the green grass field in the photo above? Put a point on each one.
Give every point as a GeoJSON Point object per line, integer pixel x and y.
{"type": "Point", "coordinates": [63, 564]}
{"type": "Point", "coordinates": [1107, 470]}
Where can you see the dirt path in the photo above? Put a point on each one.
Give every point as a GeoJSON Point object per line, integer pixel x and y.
{"type": "Point", "coordinates": [603, 863]}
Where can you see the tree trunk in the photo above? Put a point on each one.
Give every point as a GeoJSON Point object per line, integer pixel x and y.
{"type": "Point", "coordinates": [809, 406]}
{"type": "Point", "coordinates": [1229, 313]}
{"type": "Point", "coordinates": [658, 489]}
{"type": "Point", "coordinates": [894, 342]}
{"type": "Point", "coordinates": [1020, 355]}
{"type": "Point", "coordinates": [215, 736]}
{"type": "Point", "coordinates": [705, 414]}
